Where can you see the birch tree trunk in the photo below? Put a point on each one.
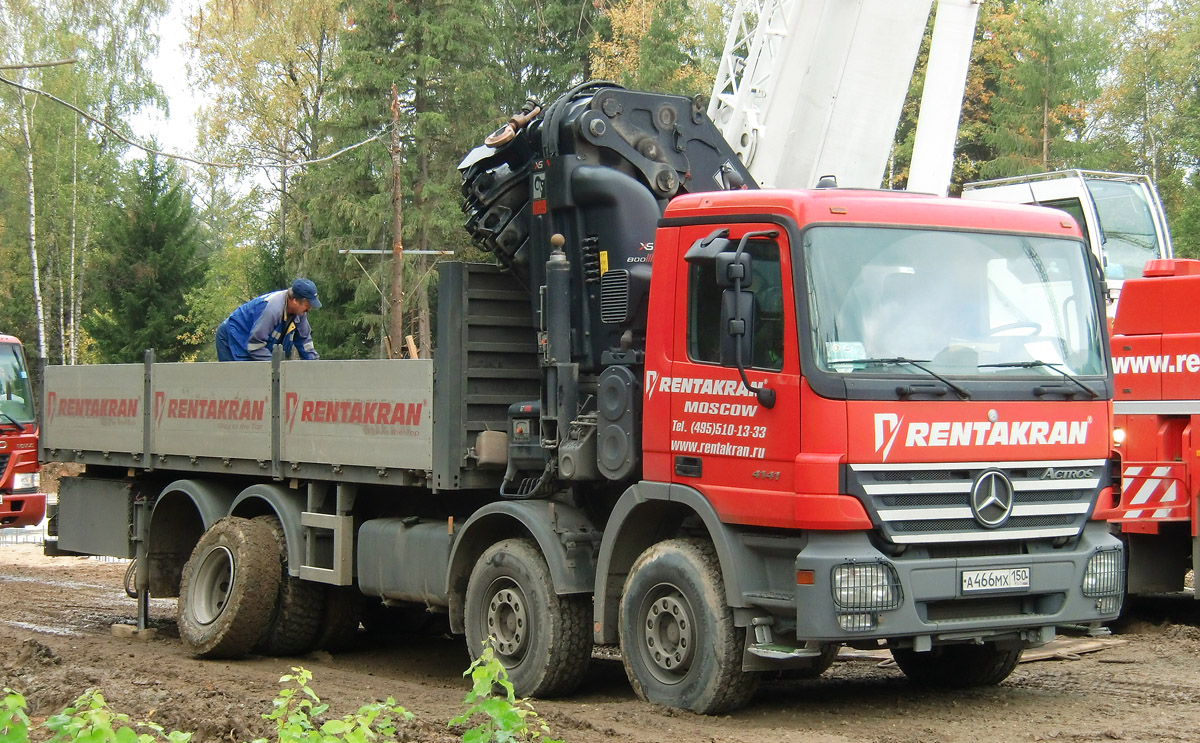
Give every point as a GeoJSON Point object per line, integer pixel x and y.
{"type": "Point", "coordinates": [39, 308]}
{"type": "Point", "coordinates": [71, 354]}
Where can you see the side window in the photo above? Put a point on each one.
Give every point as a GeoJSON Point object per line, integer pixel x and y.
{"type": "Point", "coordinates": [705, 300]}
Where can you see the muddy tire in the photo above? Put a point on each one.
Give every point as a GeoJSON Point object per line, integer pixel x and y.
{"type": "Point", "coordinates": [678, 639]}
{"type": "Point", "coordinates": [957, 666]}
{"type": "Point", "coordinates": [340, 619]}
{"type": "Point", "coordinates": [299, 605]}
{"type": "Point", "coordinates": [227, 592]}
{"type": "Point", "coordinates": [544, 640]}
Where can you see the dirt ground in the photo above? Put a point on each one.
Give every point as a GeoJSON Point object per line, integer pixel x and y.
{"type": "Point", "coordinates": [56, 641]}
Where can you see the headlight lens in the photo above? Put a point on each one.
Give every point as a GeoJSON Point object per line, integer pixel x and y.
{"type": "Point", "coordinates": [865, 587]}
{"type": "Point", "coordinates": [26, 481]}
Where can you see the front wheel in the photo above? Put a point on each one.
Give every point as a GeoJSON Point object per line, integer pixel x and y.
{"type": "Point", "coordinates": [543, 640]}
{"type": "Point", "coordinates": [958, 666]}
{"type": "Point", "coordinates": [227, 592]}
{"type": "Point", "coordinates": [680, 645]}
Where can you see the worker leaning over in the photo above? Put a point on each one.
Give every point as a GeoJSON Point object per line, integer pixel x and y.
{"type": "Point", "coordinates": [252, 330]}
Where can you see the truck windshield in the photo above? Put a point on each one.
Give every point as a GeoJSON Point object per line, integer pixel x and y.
{"type": "Point", "coordinates": [16, 398]}
{"type": "Point", "coordinates": [1126, 227]}
{"type": "Point", "coordinates": [958, 303]}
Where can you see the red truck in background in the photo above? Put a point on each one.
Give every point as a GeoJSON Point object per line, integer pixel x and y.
{"type": "Point", "coordinates": [1156, 366]}
{"type": "Point", "coordinates": [20, 502]}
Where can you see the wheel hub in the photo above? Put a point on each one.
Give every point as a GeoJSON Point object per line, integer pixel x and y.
{"type": "Point", "coordinates": [669, 639]}
{"type": "Point", "coordinates": [214, 580]}
{"type": "Point", "coordinates": [508, 622]}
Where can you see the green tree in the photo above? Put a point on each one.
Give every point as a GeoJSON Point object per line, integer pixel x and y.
{"type": "Point", "coordinates": [1039, 116]}
{"type": "Point", "coordinates": [540, 49]}
{"type": "Point", "coordinates": [148, 259]}
{"type": "Point", "coordinates": [667, 46]}
{"type": "Point", "coordinates": [65, 162]}
{"type": "Point", "coordinates": [266, 67]}
{"type": "Point", "coordinates": [422, 71]}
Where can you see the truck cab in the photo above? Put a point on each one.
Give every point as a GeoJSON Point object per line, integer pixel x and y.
{"type": "Point", "coordinates": [918, 413]}
{"type": "Point", "coordinates": [20, 502]}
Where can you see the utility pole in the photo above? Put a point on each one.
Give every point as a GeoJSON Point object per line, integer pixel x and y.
{"type": "Point", "coordinates": [396, 329]}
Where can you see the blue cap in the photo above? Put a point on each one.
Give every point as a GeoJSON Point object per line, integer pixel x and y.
{"type": "Point", "coordinates": [306, 289]}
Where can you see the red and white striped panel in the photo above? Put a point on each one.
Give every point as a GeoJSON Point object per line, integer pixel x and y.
{"type": "Point", "coordinates": [1153, 493]}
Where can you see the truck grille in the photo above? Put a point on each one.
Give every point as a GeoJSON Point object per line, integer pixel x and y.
{"type": "Point", "coordinates": [932, 503]}
{"type": "Point", "coordinates": [3, 465]}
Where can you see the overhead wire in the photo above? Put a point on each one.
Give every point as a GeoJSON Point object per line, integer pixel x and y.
{"type": "Point", "coordinates": [171, 155]}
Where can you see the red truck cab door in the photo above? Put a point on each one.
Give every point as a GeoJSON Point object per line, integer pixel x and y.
{"type": "Point", "coordinates": [724, 440]}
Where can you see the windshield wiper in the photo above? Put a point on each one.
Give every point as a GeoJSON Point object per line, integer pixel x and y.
{"type": "Point", "coordinates": [958, 390]}
{"type": "Point", "coordinates": [13, 421]}
{"type": "Point", "coordinates": [1047, 364]}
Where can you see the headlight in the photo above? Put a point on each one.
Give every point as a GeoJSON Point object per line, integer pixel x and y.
{"type": "Point", "coordinates": [26, 481]}
{"type": "Point", "coordinates": [865, 587]}
{"type": "Point", "coordinates": [1105, 574]}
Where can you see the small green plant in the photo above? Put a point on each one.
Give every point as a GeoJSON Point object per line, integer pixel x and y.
{"type": "Point", "coordinates": [297, 705]}
{"type": "Point", "coordinates": [14, 720]}
{"type": "Point", "coordinates": [505, 718]}
{"type": "Point", "coordinates": [89, 720]}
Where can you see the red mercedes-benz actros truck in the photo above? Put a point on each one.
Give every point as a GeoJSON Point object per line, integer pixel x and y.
{"type": "Point", "coordinates": [726, 429]}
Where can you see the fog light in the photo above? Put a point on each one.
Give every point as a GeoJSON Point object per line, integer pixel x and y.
{"type": "Point", "coordinates": [857, 622]}
{"type": "Point", "coordinates": [26, 481]}
{"type": "Point", "coordinates": [1105, 574]}
{"type": "Point", "coordinates": [869, 587]}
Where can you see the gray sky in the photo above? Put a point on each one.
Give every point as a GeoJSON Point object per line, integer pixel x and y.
{"type": "Point", "coordinates": [176, 133]}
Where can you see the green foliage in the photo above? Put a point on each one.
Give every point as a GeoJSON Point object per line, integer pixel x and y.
{"type": "Point", "coordinates": [89, 720]}
{"type": "Point", "coordinates": [149, 260]}
{"type": "Point", "coordinates": [668, 46]}
{"type": "Point", "coordinates": [297, 705]}
{"type": "Point", "coordinates": [1056, 59]}
{"type": "Point", "coordinates": [297, 712]}
{"type": "Point", "coordinates": [505, 718]}
{"type": "Point", "coordinates": [14, 720]}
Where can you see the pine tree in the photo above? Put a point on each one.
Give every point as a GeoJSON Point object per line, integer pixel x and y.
{"type": "Point", "coordinates": [1039, 118]}
{"type": "Point", "coordinates": [148, 248]}
{"type": "Point", "coordinates": [431, 57]}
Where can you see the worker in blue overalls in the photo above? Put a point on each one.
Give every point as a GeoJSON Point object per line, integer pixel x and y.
{"type": "Point", "coordinates": [254, 329]}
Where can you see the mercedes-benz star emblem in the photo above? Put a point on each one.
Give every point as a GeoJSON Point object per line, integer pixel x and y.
{"type": "Point", "coordinates": [992, 499]}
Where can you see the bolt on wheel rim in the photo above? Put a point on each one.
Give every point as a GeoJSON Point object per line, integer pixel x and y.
{"type": "Point", "coordinates": [668, 639]}
{"type": "Point", "coordinates": [209, 593]}
{"type": "Point", "coordinates": [508, 622]}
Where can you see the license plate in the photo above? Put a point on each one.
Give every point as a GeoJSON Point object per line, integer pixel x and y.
{"type": "Point", "coordinates": [995, 580]}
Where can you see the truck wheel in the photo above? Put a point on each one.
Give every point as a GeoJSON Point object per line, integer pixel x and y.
{"type": "Point", "coordinates": [299, 605]}
{"type": "Point", "coordinates": [957, 666]}
{"type": "Point", "coordinates": [680, 645]}
{"type": "Point", "coordinates": [228, 588]}
{"type": "Point", "coordinates": [543, 640]}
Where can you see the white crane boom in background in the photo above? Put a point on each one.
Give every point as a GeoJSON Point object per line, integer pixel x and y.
{"type": "Point", "coordinates": [808, 88]}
